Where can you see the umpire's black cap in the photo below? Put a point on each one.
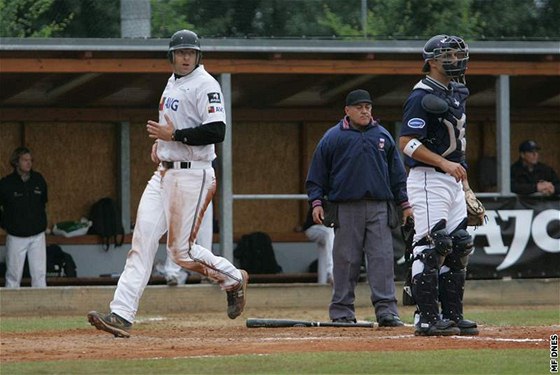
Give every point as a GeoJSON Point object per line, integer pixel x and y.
{"type": "Point", "coordinates": [357, 97]}
{"type": "Point", "coordinates": [528, 146]}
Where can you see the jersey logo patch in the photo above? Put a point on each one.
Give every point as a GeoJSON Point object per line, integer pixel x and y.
{"type": "Point", "coordinates": [169, 103]}
{"type": "Point", "coordinates": [416, 123]}
{"type": "Point", "coordinates": [214, 97]}
{"type": "Point", "coordinates": [381, 144]}
{"type": "Point", "coordinates": [214, 109]}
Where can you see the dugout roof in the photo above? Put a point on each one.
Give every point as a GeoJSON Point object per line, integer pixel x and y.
{"type": "Point", "coordinates": [276, 79]}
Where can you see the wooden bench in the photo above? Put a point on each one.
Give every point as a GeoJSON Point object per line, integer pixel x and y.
{"type": "Point", "coordinates": [158, 280]}
{"type": "Point", "coordinates": [101, 280]}
{"type": "Point", "coordinates": [194, 278]}
{"type": "Point", "coordinates": [92, 239]}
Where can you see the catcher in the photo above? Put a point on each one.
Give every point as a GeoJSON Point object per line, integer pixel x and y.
{"type": "Point", "coordinates": [433, 139]}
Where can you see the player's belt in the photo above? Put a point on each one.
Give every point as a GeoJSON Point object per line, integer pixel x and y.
{"type": "Point", "coordinates": [430, 169]}
{"type": "Point", "coordinates": [186, 164]}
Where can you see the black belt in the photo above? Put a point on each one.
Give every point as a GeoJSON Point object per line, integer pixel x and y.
{"type": "Point", "coordinates": [171, 165]}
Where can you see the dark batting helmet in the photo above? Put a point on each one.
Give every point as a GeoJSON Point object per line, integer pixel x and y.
{"type": "Point", "coordinates": [183, 39]}
{"type": "Point", "coordinates": [440, 48]}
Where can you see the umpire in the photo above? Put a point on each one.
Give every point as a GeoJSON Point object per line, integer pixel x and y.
{"type": "Point", "coordinates": [358, 167]}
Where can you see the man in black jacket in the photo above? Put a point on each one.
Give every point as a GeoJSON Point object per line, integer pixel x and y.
{"type": "Point", "coordinates": [529, 176]}
{"type": "Point", "coordinates": [23, 197]}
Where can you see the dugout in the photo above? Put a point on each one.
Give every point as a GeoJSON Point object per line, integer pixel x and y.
{"type": "Point", "coordinates": [81, 106]}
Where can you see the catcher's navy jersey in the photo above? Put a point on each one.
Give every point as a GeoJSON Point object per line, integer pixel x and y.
{"type": "Point", "coordinates": [443, 134]}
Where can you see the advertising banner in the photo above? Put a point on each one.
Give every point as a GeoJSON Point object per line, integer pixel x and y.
{"type": "Point", "coordinates": [521, 239]}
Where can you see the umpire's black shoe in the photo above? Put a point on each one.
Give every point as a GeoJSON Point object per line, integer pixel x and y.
{"type": "Point", "coordinates": [389, 320]}
{"type": "Point", "coordinates": [467, 327]}
{"type": "Point", "coordinates": [440, 328]}
{"type": "Point", "coordinates": [344, 320]}
{"type": "Point", "coordinates": [236, 297]}
{"type": "Point", "coordinates": [111, 323]}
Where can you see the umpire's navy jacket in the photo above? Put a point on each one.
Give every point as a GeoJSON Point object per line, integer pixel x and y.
{"type": "Point", "coordinates": [351, 164]}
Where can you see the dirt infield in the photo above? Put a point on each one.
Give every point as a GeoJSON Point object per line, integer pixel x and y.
{"type": "Point", "coordinates": [214, 335]}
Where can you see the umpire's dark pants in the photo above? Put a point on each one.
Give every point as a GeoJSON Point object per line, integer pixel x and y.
{"type": "Point", "coordinates": [363, 228]}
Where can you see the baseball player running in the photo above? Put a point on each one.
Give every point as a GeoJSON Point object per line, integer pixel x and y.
{"type": "Point", "coordinates": [433, 140]}
{"type": "Point", "coordinates": [191, 120]}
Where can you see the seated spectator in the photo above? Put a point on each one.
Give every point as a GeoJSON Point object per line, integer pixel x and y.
{"type": "Point", "coordinates": [529, 176]}
{"type": "Point", "coordinates": [324, 239]}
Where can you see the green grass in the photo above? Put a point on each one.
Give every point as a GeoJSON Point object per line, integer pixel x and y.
{"type": "Point", "coordinates": [423, 362]}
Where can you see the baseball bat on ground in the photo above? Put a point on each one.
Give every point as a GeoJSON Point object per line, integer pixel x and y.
{"type": "Point", "coordinates": [283, 323]}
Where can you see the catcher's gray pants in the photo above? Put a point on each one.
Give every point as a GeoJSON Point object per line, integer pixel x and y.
{"type": "Point", "coordinates": [363, 230]}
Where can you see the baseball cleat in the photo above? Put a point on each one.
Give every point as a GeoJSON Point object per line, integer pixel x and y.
{"type": "Point", "coordinates": [439, 328]}
{"type": "Point", "coordinates": [467, 327]}
{"type": "Point", "coordinates": [236, 297]}
{"type": "Point", "coordinates": [111, 323]}
{"type": "Point", "coordinates": [389, 320]}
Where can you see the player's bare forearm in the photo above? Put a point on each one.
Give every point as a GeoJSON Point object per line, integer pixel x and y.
{"type": "Point", "coordinates": [424, 155]}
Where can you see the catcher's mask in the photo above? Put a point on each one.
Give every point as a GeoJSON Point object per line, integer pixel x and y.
{"type": "Point", "coordinates": [184, 39]}
{"type": "Point", "coordinates": [451, 50]}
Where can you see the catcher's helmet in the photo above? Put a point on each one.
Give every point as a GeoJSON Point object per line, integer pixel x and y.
{"type": "Point", "coordinates": [439, 47]}
{"type": "Point", "coordinates": [183, 39]}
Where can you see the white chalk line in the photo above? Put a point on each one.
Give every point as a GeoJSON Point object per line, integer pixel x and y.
{"type": "Point", "coordinates": [400, 337]}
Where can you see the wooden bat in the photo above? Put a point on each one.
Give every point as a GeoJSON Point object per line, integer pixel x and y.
{"type": "Point", "coordinates": [283, 323]}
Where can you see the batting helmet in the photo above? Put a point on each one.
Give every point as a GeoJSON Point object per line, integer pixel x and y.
{"type": "Point", "coordinates": [439, 47]}
{"type": "Point", "coordinates": [183, 39]}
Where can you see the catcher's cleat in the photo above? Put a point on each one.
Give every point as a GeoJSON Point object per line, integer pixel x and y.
{"type": "Point", "coordinates": [467, 327]}
{"type": "Point", "coordinates": [236, 297]}
{"type": "Point", "coordinates": [440, 328]}
{"type": "Point", "coordinates": [111, 323]}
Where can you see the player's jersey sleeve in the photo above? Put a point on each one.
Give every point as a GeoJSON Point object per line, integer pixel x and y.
{"type": "Point", "coordinates": [415, 118]}
{"type": "Point", "coordinates": [210, 103]}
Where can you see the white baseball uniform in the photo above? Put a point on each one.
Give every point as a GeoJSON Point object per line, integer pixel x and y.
{"type": "Point", "coordinates": [176, 198]}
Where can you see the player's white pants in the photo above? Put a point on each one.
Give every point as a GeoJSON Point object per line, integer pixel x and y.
{"type": "Point", "coordinates": [324, 238]}
{"type": "Point", "coordinates": [36, 249]}
{"type": "Point", "coordinates": [434, 196]}
{"type": "Point", "coordinates": [174, 202]}
{"type": "Point", "coordinates": [204, 239]}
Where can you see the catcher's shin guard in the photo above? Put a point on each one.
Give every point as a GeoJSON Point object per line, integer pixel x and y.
{"type": "Point", "coordinates": [451, 290]}
{"type": "Point", "coordinates": [407, 298]}
{"type": "Point", "coordinates": [424, 291]}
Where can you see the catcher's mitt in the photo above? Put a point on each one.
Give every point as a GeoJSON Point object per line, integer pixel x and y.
{"type": "Point", "coordinates": [475, 210]}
